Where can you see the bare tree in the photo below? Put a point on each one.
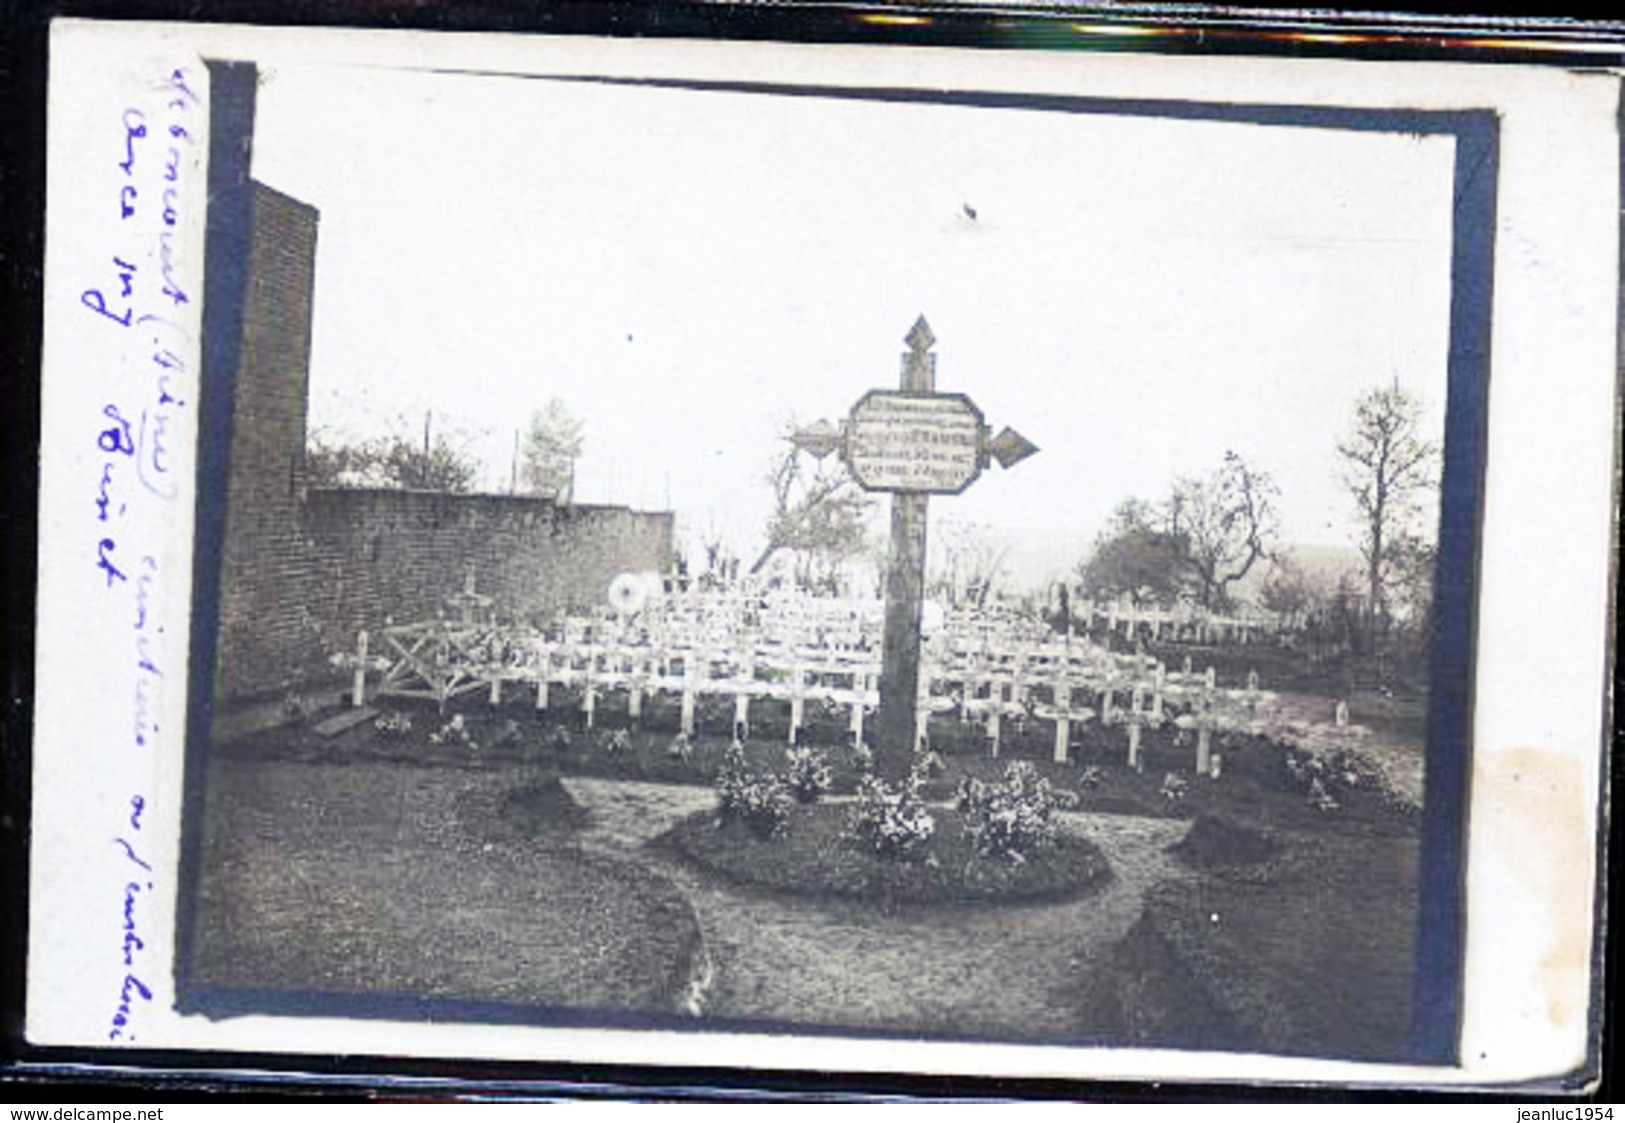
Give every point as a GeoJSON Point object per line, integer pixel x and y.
{"type": "Point", "coordinates": [721, 563]}
{"type": "Point", "coordinates": [819, 513]}
{"type": "Point", "coordinates": [967, 561]}
{"type": "Point", "coordinates": [1388, 466]}
{"type": "Point", "coordinates": [1208, 536]}
{"type": "Point", "coordinates": [1227, 523]}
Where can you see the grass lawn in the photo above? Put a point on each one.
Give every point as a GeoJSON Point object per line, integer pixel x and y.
{"type": "Point", "coordinates": [452, 866]}
{"type": "Point", "coordinates": [376, 880]}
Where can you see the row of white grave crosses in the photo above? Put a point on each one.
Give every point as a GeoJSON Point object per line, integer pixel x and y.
{"type": "Point", "coordinates": [980, 676]}
{"type": "Point", "coordinates": [1183, 623]}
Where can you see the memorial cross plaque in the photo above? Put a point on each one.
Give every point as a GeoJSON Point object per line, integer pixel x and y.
{"type": "Point", "coordinates": [914, 443]}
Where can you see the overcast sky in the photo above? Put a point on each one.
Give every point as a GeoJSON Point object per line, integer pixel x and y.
{"type": "Point", "coordinates": [686, 270]}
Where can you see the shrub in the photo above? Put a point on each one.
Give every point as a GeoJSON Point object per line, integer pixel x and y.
{"type": "Point", "coordinates": [1174, 788]}
{"type": "Point", "coordinates": [714, 713]}
{"type": "Point", "coordinates": [967, 793]}
{"type": "Point", "coordinates": [808, 774]}
{"type": "Point", "coordinates": [1350, 769]}
{"type": "Point", "coordinates": [681, 748]}
{"type": "Point", "coordinates": [1014, 817]}
{"type": "Point", "coordinates": [864, 756]}
{"type": "Point", "coordinates": [1398, 803]}
{"type": "Point", "coordinates": [1324, 778]}
{"type": "Point", "coordinates": [757, 800]}
{"type": "Point", "coordinates": [453, 732]}
{"type": "Point", "coordinates": [731, 779]}
{"type": "Point", "coordinates": [392, 726]}
{"type": "Point", "coordinates": [764, 806]}
{"type": "Point", "coordinates": [891, 821]}
{"type": "Point", "coordinates": [295, 707]}
{"type": "Point", "coordinates": [1321, 799]}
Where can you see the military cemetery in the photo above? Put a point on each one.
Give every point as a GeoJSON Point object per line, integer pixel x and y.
{"type": "Point", "coordinates": [512, 747]}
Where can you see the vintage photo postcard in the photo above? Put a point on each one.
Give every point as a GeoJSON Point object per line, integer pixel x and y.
{"type": "Point", "coordinates": [1044, 563]}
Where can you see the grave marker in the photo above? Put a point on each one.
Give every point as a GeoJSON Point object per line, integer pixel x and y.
{"type": "Point", "coordinates": [912, 442]}
{"type": "Point", "coordinates": [1204, 730]}
{"type": "Point", "coordinates": [358, 696]}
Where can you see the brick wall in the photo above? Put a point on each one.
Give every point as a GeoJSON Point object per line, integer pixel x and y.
{"type": "Point", "coordinates": [353, 559]}
{"type": "Point", "coordinates": [262, 558]}
{"type": "Point", "coordinates": [302, 571]}
{"type": "Point", "coordinates": [377, 554]}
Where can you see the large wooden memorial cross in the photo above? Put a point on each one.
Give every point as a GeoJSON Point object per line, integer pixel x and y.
{"type": "Point", "coordinates": [914, 443]}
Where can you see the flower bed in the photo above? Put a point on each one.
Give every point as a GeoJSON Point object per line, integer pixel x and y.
{"type": "Point", "coordinates": [817, 855]}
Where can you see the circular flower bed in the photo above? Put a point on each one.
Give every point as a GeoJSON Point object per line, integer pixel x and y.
{"type": "Point", "coordinates": [817, 855]}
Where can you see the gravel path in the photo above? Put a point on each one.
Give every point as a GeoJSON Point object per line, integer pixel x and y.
{"type": "Point", "coordinates": [1008, 971]}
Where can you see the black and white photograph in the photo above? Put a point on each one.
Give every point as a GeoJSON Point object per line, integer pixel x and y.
{"type": "Point", "coordinates": [803, 558]}
{"type": "Point", "coordinates": [694, 551]}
